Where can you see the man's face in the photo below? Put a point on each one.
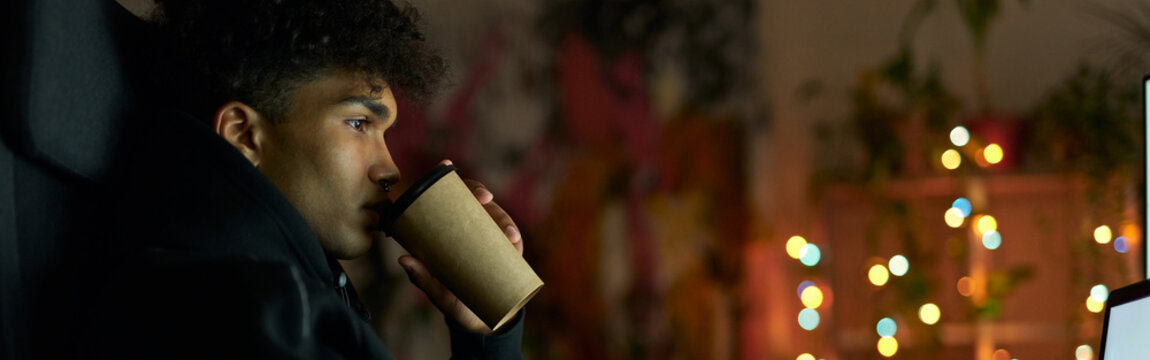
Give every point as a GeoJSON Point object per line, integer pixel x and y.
{"type": "Point", "coordinates": [328, 155]}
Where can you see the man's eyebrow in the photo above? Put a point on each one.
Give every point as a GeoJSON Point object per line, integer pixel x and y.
{"type": "Point", "coordinates": [370, 103]}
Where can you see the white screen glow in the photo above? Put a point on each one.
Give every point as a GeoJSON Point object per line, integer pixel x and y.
{"type": "Point", "coordinates": [1128, 330]}
{"type": "Point", "coordinates": [1146, 179]}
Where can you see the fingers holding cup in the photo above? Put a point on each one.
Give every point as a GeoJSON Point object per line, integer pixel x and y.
{"type": "Point", "coordinates": [460, 234]}
{"type": "Point", "coordinates": [502, 219]}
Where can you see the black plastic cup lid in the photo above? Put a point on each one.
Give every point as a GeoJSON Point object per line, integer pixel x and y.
{"type": "Point", "coordinates": [408, 197]}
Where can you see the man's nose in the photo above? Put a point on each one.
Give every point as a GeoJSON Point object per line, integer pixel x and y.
{"type": "Point", "coordinates": [384, 171]}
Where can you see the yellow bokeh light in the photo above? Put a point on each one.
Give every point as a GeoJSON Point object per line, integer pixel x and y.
{"type": "Point", "coordinates": [812, 297]}
{"type": "Point", "coordinates": [965, 286]}
{"type": "Point", "coordinates": [878, 275]}
{"type": "Point", "coordinates": [1102, 234]}
{"type": "Point", "coordinates": [980, 158]}
{"type": "Point", "coordinates": [794, 245]}
{"type": "Point", "coordinates": [1084, 352]}
{"type": "Point", "coordinates": [805, 356]}
{"type": "Point", "coordinates": [1001, 354]}
{"type": "Point", "coordinates": [887, 346]}
{"type": "Point", "coordinates": [929, 313]}
{"type": "Point", "coordinates": [1093, 305]}
{"type": "Point", "coordinates": [951, 159]}
{"type": "Point", "coordinates": [954, 217]}
{"type": "Point", "coordinates": [993, 153]}
{"type": "Point", "coordinates": [986, 223]}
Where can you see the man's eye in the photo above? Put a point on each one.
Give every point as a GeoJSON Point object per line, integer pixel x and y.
{"type": "Point", "coordinates": [356, 124]}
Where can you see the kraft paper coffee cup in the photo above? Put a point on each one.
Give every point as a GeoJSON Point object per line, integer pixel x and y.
{"type": "Point", "coordinates": [439, 221]}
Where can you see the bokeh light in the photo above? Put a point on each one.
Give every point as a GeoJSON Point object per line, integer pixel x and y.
{"type": "Point", "coordinates": [1093, 305]}
{"type": "Point", "coordinates": [991, 240]}
{"type": "Point", "coordinates": [980, 159]}
{"type": "Point", "coordinates": [1084, 352]}
{"type": "Point", "coordinates": [965, 286]}
{"type": "Point", "coordinates": [803, 286]}
{"type": "Point", "coordinates": [812, 297]}
{"type": "Point", "coordinates": [808, 319]}
{"type": "Point", "coordinates": [993, 153]}
{"type": "Point", "coordinates": [805, 356]}
{"type": "Point", "coordinates": [1120, 245]}
{"type": "Point", "coordinates": [887, 346]}
{"type": "Point", "coordinates": [1102, 234]}
{"type": "Point", "coordinates": [1130, 231]}
{"type": "Point", "coordinates": [810, 255]}
{"type": "Point", "coordinates": [898, 265]}
{"type": "Point", "coordinates": [986, 223]}
{"type": "Point", "coordinates": [794, 244]}
{"type": "Point", "coordinates": [954, 217]}
{"type": "Point", "coordinates": [964, 205]}
{"type": "Point", "coordinates": [878, 275]}
{"type": "Point", "coordinates": [951, 159]}
{"type": "Point", "coordinates": [1099, 293]}
{"type": "Point", "coordinates": [886, 327]}
{"type": "Point", "coordinates": [959, 136]}
{"type": "Point", "coordinates": [1001, 354]}
{"type": "Point", "coordinates": [929, 313]}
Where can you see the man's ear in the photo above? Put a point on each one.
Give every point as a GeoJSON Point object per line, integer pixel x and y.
{"type": "Point", "coordinates": [243, 127]}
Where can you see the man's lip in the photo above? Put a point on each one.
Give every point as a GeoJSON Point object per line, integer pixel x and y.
{"type": "Point", "coordinates": [375, 219]}
{"type": "Point", "coordinates": [376, 211]}
{"type": "Point", "coordinates": [379, 206]}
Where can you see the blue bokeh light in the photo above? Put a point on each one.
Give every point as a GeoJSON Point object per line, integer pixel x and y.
{"type": "Point", "coordinates": [992, 240]}
{"type": "Point", "coordinates": [1120, 245]}
{"type": "Point", "coordinates": [808, 319]}
{"type": "Point", "coordinates": [886, 327]}
{"type": "Point", "coordinates": [810, 255]}
{"type": "Point", "coordinates": [964, 205]}
{"type": "Point", "coordinates": [1100, 293]}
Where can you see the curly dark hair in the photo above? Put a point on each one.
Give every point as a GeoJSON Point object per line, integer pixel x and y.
{"type": "Point", "coordinates": [259, 51]}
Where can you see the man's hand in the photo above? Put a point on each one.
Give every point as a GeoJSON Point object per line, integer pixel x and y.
{"type": "Point", "coordinates": [438, 294]}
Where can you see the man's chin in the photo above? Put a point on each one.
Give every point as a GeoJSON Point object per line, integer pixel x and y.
{"type": "Point", "coordinates": [353, 247]}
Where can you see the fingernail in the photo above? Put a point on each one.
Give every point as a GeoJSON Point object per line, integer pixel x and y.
{"type": "Point", "coordinates": [512, 233]}
{"type": "Point", "coordinates": [483, 195]}
{"type": "Point", "coordinates": [447, 162]}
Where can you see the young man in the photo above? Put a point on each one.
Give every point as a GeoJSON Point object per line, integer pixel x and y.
{"type": "Point", "coordinates": [274, 166]}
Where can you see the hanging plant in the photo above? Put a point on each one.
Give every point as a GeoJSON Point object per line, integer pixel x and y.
{"type": "Point", "coordinates": [897, 108]}
{"type": "Point", "coordinates": [1088, 125]}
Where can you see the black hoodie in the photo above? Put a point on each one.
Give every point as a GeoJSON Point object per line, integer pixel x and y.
{"type": "Point", "coordinates": [215, 261]}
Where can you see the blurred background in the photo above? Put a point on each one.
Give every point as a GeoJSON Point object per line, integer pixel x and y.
{"type": "Point", "coordinates": [817, 179]}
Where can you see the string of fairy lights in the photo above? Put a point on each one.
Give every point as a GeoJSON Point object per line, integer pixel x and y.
{"type": "Point", "coordinates": [984, 227]}
{"type": "Point", "coordinates": [1099, 293]}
